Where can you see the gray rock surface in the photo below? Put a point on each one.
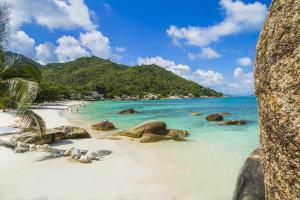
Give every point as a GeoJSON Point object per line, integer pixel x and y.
{"type": "Point", "coordinates": [250, 183]}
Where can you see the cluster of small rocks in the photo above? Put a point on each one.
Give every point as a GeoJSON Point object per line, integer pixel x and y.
{"type": "Point", "coordinates": [83, 156]}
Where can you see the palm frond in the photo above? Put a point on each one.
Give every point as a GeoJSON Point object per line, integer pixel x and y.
{"type": "Point", "coordinates": [25, 71]}
{"type": "Point", "coordinates": [5, 9]}
{"type": "Point", "coordinates": [23, 91]}
{"type": "Point", "coordinates": [12, 59]}
{"type": "Point", "coordinates": [30, 119]}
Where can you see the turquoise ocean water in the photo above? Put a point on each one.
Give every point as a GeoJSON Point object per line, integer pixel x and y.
{"type": "Point", "coordinates": [215, 153]}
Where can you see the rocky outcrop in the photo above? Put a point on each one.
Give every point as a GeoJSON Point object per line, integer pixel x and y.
{"type": "Point", "coordinates": [128, 111]}
{"type": "Point", "coordinates": [277, 84]}
{"type": "Point", "coordinates": [214, 117]}
{"type": "Point", "coordinates": [250, 183]}
{"type": "Point", "coordinates": [153, 131]}
{"type": "Point", "coordinates": [103, 126]}
{"type": "Point", "coordinates": [151, 97]}
{"type": "Point", "coordinates": [53, 135]}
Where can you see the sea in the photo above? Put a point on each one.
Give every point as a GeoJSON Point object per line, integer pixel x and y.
{"type": "Point", "coordinates": [212, 159]}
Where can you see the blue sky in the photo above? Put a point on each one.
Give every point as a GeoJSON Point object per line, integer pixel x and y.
{"type": "Point", "coordinates": [211, 42]}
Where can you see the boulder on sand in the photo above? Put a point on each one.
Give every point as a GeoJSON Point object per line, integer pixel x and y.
{"type": "Point", "coordinates": [153, 131]}
{"type": "Point", "coordinates": [128, 111]}
{"type": "Point", "coordinates": [52, 135]}
{"type": "Point", "coordinates": [214, 117]}
{"type": "Point", "coordinates": [103, 126]}
{"type": "Point", "coordinates": [73, 132]}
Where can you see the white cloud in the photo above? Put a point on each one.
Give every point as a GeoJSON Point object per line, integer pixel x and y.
{"type": "Point", "coordinates": [238, 72]}
{"type": "Point", "coordinates": [208, 78]}
{"type": "Point", "coordinates": [239, 17]}
{"type": "Point", "coordinates": [179, 69]}
{"type": "Point", "coordinates": [59, 15]}
{"type": "Point", "coordinates": [245, 61]}
{"type": "Point", "coordinates": [206, 53]}
{"type": "Point", "coordinates": [45, 53]}
{"type": "Point", "coordinates": [54, 14]}
{"type": "Point", "coordinates": [120, 49]}
{"type": "Point", "coordinates": [244, 82]}
{"type": "Point", "coordinates": [96, 43]}
{"type": "Point", "coordinates": [21, 43]}
{"type": "Point", "coordinates": [69, 49]}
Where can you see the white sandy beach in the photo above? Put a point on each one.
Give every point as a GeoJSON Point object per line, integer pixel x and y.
{"type": "Point", "coordinates": [132, 171]}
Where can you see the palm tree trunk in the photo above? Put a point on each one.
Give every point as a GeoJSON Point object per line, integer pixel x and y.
{"type": "Point", "coordinates": [277, 83]}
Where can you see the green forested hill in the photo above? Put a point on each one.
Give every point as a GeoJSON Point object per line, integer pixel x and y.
{"type": "Point", "coordinates": [89, 75]}
{"type": "Point", "coordinates": [95, 74]}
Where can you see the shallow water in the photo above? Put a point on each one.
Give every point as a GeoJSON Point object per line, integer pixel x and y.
{"type": "Point", "coordinates": [210, 163]}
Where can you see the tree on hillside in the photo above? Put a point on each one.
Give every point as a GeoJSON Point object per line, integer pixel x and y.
{"type": "Point", "coordinates": [18, 82]}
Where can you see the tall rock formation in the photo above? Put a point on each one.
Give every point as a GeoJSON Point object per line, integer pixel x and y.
{"type": "Point", "coordinates": [277, 83]}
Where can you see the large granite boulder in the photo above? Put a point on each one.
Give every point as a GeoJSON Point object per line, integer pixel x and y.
{"type": "Point", "coordinates": [153, 131]}
{"type": "Point", "coordinates": [103, 126]}
{"type": "Point", "coordinates": [214, 117]}
{"type": "Point", "coordinates": [250, 183]}
{"type": "Point", "coordinates": [52, 135]}
{"type": "Point", "coordinates": [277, 85]}
{"type": "Point", "coordinates": [128, 111]}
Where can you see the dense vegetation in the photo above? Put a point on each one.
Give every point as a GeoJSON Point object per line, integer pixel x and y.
{"type": "Point", "coordinates": [86, 74]}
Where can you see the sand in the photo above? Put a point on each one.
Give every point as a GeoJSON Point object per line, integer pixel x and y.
{"type": "Point", "coordinates": [132, 172]}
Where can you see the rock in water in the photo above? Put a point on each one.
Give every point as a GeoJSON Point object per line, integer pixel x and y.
{"type": "Point", "coordinates": [235, 122]}
{"type": "Point", "coordinates": [214, 117]}
{"type": "Point", "coordinates": [277, 84]}
{"type": "Point", "coordinates": [224, 113]}
{"type": "Point", "coordinates": [195, 113]}
{"type": "Point", "coordinates": [154, 127]}
{"type": "Point", "coordinates": [128, 111]}
{"type": "Point", "coordinates": [103, 126]}
{"type": "Point", "coordinates": [250, 183]}
{"type": "Point", "coordinates": [153, 131]}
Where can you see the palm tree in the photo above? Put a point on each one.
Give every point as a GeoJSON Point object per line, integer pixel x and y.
{"type": "Point", "coordinates": [18, 81]}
